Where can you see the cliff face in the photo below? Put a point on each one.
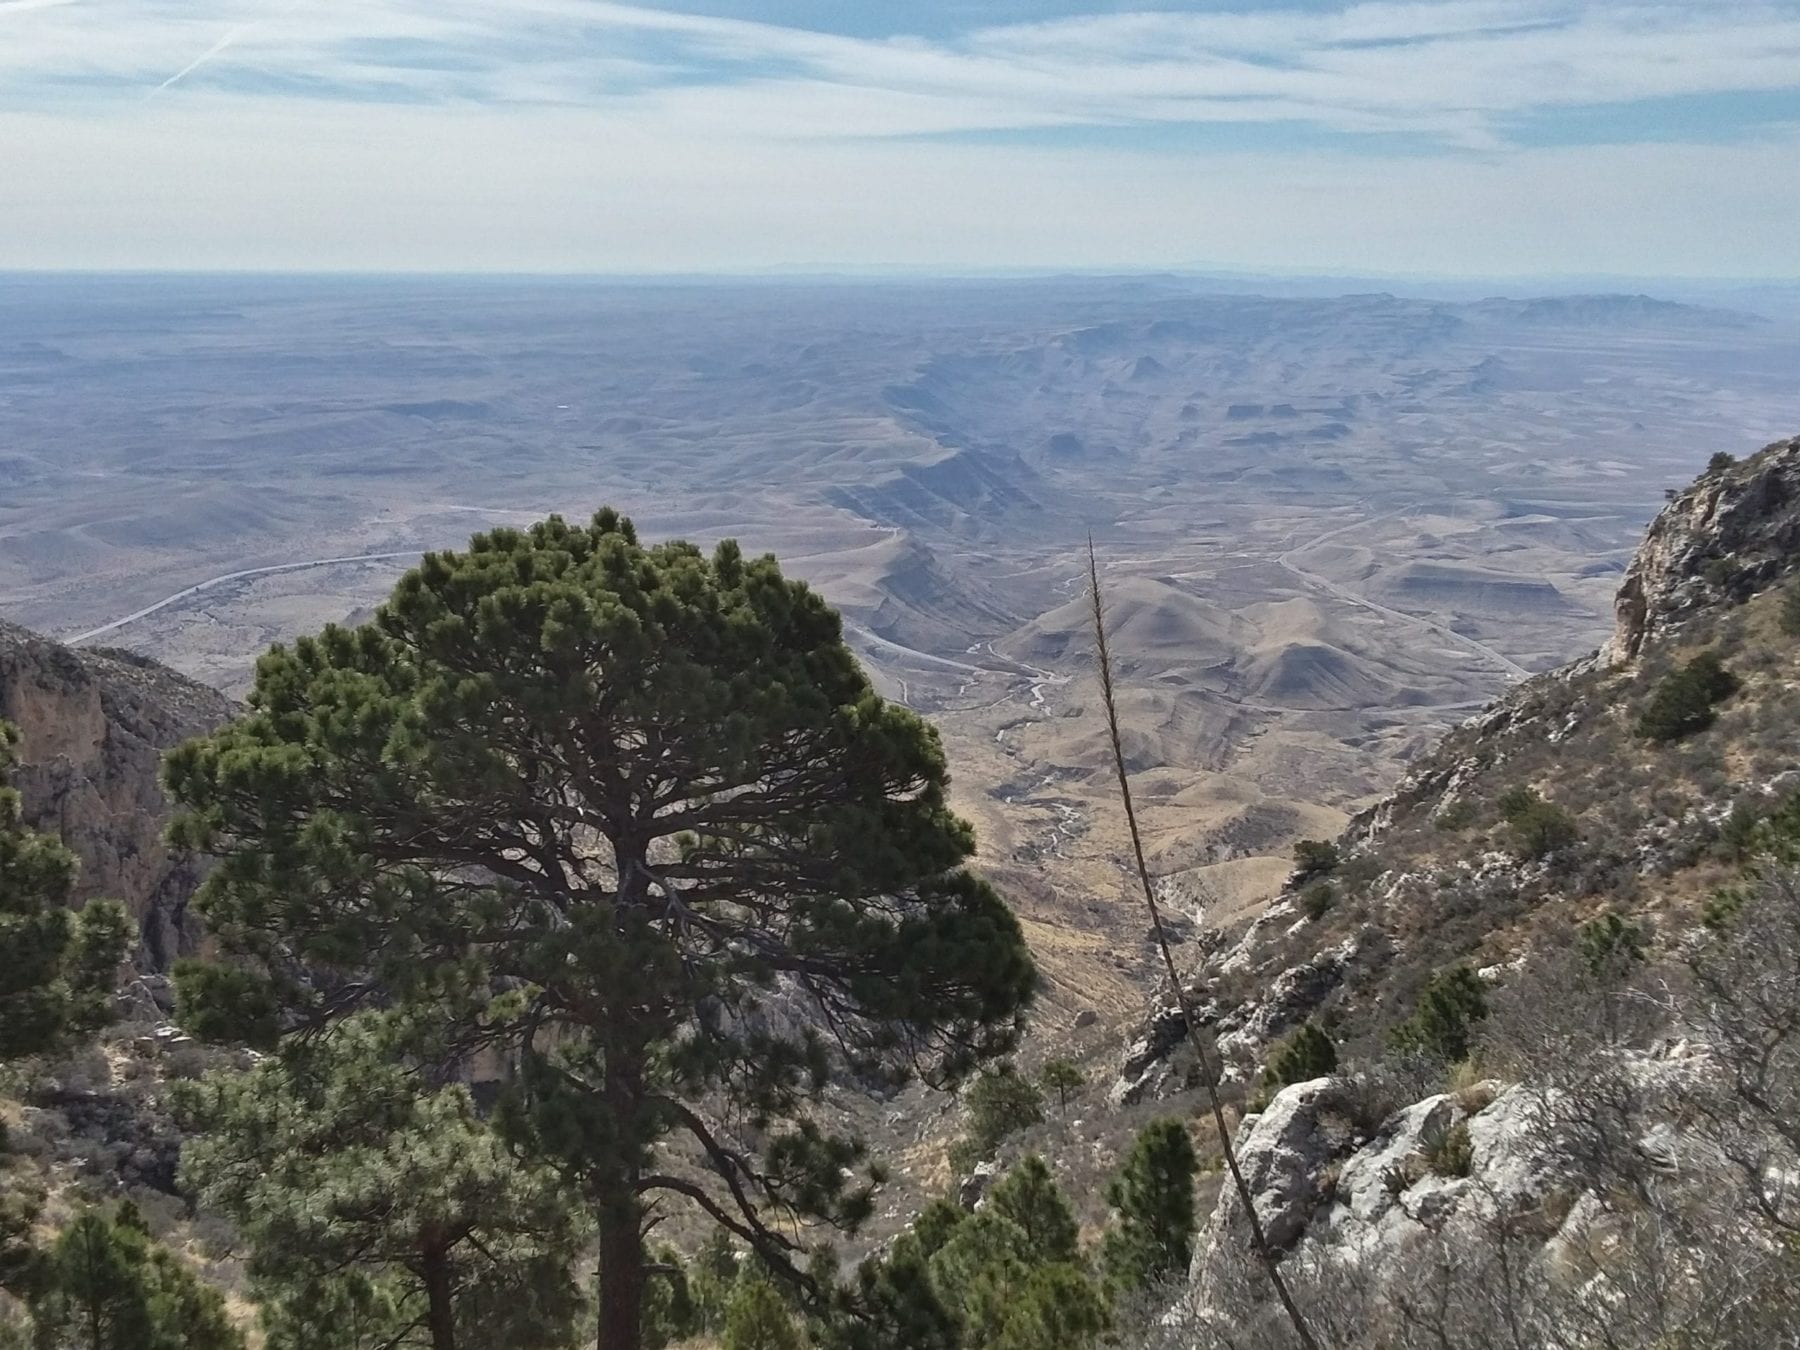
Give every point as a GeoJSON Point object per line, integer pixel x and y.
{"type": "Point", "coordinates": [1735, 529]}
{"type": "Point", "coordinates": [93, 728]}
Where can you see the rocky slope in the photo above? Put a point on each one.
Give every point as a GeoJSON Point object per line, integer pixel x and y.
{"type": "Point", "coordinates": [93, 728]}
{"type": "Point", "coordinates": [1437, 874]}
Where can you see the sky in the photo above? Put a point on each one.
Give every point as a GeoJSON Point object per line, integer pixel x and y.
{"type": "Point", "coordinates": [1414, 137]}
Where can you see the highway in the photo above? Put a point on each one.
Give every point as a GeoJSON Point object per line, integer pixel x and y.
{"type": "Point", "coordinates": [220, 580]}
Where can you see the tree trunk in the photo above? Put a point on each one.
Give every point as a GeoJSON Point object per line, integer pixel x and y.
{"type": "Point", "coordinates": [440, 1314]}
{"type": "Point", "coordinates": [621, 1274]}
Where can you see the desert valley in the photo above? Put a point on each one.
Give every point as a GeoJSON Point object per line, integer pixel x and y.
{"type": "Point", "coordinates": [1332, 525]}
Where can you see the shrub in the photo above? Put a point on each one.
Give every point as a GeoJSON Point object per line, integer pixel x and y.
{"type": "Point", "coordinates": [1315, 858]}
{"type": "Point", "coordinates": [1451, 1152]}
{"type": "Point", "coordinates": [1720, 462]}
{"type": "Point", "coordinates": [1721, 572]}
{"type": "Point", "coordinates": [1316, 900]}
{"type": "Point", "coordinates": [1687, 698]}
{"type": "Point", "coordinates": [758, 1319]}
{"type": "Point", "coordinates": [1538, 827]}
{"type": "Point", "coordinates": [1451, 1004]}
{"type": "Point", "coordinates": [1303, 1056]}
{"type": "Point", "coordinates": [1610, 944]}
{"type": "Point", "coordinates": [1790, 608]}
{"type": "Point", "coordinates": [1458, 815]}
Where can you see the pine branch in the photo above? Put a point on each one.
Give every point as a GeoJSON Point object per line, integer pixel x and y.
{"type": "Point", "coordinates": [1208, 1074]}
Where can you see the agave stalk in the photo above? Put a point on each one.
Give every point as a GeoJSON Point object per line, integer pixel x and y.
{"type": "Point", "coordinates": [1209, 1074]}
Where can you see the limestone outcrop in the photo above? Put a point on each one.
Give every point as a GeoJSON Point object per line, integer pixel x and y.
{"type": "Point", "coordinates": [93, 729]}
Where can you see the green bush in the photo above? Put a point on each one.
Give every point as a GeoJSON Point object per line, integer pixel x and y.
{"type": "Point", "coordinates": [1686, 699]}
{"type": "Point", "coordinates": [1538, 828]}
{"type": "Point", "coordinates": [1316, 900]}
{"type": "Point", "coordinates": [1611, 944]}
{"type": "Point", "coordinates": [1459, 815]}
{"type": "Point", "coordinates": [1740, 831]}
{"type": "Point", "coordinates": [757, 1318]}
{"type": "Point", "coordinates": [1790, 608]}
{"type": "Point", "coordinates": [1721, 572]}
{"type": "Point", "coordinates": [1303, 1056]}
{"type": "Point", "coordinates": [1720, 461]}
{"type": "Point", "coordinates": [1441, 1027]}
{"type": "Point", "coordinates": [1315, 858]}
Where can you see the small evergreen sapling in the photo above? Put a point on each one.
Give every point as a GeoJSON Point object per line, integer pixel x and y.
{"type": "Point", "coordinates": [1152, 1198]}
{"type": "Point", "coordinates": [1307, 1054]}
{"type": "Point", "coordinates": [1442, 1025]}
{"type": "Point", "coordinates": [1061, 1077]}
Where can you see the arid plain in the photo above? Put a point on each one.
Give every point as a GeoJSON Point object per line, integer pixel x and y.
{"type": "Point", "coordinates": [1329, 527]}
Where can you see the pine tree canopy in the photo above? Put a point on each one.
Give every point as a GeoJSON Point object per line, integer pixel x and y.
{"type": "Point", "coordinates": [104, 1285]}
{"type": "Point", "coordinates": [642, 795]}
{"type": "Point", "coordinates": [366, 1195]}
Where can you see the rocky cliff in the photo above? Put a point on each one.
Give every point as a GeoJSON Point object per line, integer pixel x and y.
{"type": "Point", "coordinates": [1736, 529]}
{"type": "Point", "coordinates": [93, 728]}
{"type": "Point", "coordinates": [1614, 1161]}
{"type": "Point", "coordinates": [1447, 869]}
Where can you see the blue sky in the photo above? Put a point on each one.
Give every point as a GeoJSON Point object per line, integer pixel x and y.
{"type": "Point", "coordinates": [1449, 137]}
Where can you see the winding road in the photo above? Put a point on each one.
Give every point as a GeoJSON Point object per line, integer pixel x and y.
{"type": "Point", "coordinates": [224, 577]}
{"type": "Point", "coordinates": [1349, 597]}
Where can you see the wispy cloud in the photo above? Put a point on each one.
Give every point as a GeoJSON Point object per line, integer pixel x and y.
{"type": "Point", "coordinates": [1459, 69]}
{"type": "Point", "coordinates": [1612, 134]}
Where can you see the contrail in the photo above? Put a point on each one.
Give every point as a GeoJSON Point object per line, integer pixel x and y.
{"type": "Point", "coordinates": [201, 59]}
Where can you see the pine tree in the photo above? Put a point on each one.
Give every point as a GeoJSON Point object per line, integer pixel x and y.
{"type": "Point", "coordinates": [1001, 1102]}
{"type": "Point", "coordinates": [362, 1192]}
{"type": "Point", "coordinates": [1152, 1198]}
{"type": "Point", "coordinates": [670, 1311]}
{"type": "Point", "coordinates": [1061, 1077]}
{"type": "Point", "coordinates": [1305, 1055]}
{"type": "Point", "coordinates": [1006, 1295]}
{"type": "Point", "coordinates": [634, 788]}
{"type": "Point", "coordinates": [979, 1271]}
{"type": "Point", "coordinates": [60, 968]}
{"type": "Point", "coordinates": [1057, 1309]}
{"type": "Point", "coordinates": [758, 1319]}
{"type": "Point", "coordinates": [1442, 1026]}
{"type": "Point", "coordinates": [1029, 1196]}
{"type": "Point", "coordinates": [106, 1286]}
{"type": "Point", "coordinates": [894, 1304]}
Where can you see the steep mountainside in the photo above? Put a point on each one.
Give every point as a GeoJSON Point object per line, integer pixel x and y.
{"type": "Point", "coordinates": [93, 727]}
{"type": "Point", "coordinates": [1556, 806]}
